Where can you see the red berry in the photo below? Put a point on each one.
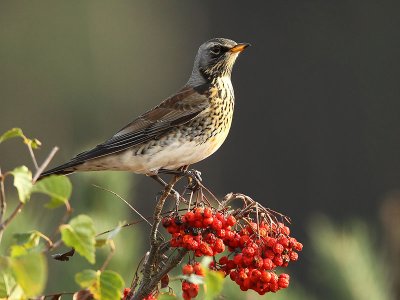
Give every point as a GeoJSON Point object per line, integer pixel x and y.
{"type": "Point", "coordinates": [164, 281]}
{"type": "Point", "coordinates": [221, 233]}
{"type": "Point", "coordinates": [189, 216]}
{"type": "Point", "coordinates": [248, 251]}
{"type": "Point", "coordinates": [187, 269]}
{"type": "Point", "coordinates": [284, 241]}
{"type": "Point", "coordinates": [238, 259]}
{"type": "Point", "coordinates": [198, 269]}
{"type": "Point", "coordinates": [255, 275]}
{"type": "Point", "coordinates": [223, 260]}
{"type": "Point", "coordinates": [207, 221]}
{"type": "Point", "coordinates": [278, 260]}
{"type": "Point", "coordinates": [126, 292]}
{"type": "Point", "coordinates": [207, 212]}
{"type": "Point", "coordinates": [283, 282]}
{"type": "Point", "coordinates": [217, 224]}
{"type": "Point", "coordinates": [278, 248]}
{"type": "Point", "coordinates": [244, 239]}
{"type": "Point", "coordinates": [271, 242]}
{"type": "Point", "coordinates": [231, 220]}
{"type": "Point", "coordinates": [219, 246]}
{"type": "Point", "coordinates": [268, 264]}
{"type": "Point", "coordinates": [265, 276]}
{"type": "Point", "coordinates": [293, 256]}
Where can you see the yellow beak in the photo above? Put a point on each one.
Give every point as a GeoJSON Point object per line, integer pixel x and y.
{"type": "Point", "coordinates": [239, 47]}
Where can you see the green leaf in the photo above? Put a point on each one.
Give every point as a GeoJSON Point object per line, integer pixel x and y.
{"type": "Point", "coordinates": [22, 182]}
{"type": "Point", "coordinates": [28, 239]}
{"type": "Point", "coordinates": [111, 285]}
{"type": "Point", "coordinates": [25, 243]}
{"type": "Point", "coordinates": [106, 285]}
{"type": "Point", "coordinates": [86, 278]}
{"type": "Point", "coordinates": [59, 189]}
{"type": "Point", "coordinates": [6, 279]}
{"type": "Point", "coordinates": [30, 272]}
{"type": "Point", "coordinates": [80, 235]}
{"type": "Point", "coordinates": [17, 132]}
{"type": "Point", "coordinates": [213, 284]}
{"type": "Point", "coordinates": [14, 132]}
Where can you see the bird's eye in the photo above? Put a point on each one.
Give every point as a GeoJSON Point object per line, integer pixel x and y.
{"type": "Point", "coordinates": [215, 50]}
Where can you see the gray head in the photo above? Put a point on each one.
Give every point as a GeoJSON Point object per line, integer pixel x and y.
{"type": "Point", "coordinates": [215, 58]}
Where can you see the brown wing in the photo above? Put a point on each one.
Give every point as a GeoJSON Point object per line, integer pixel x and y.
{"type": "Point", "coordinates": [174, 111]}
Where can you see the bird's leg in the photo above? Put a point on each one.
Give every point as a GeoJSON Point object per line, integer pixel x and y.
{"type": "Point", "coordinates": [173, 193]}
{"type": "Point", "coordinates": [194, 176]}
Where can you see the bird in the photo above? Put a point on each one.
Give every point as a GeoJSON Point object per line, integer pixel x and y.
{"type": "Point", "coordinates": [184, 129]}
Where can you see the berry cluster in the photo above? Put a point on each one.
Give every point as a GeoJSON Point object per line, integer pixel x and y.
{"type": "Point", "coordinates": [190, 290]}
{"type": "Point", "coordinates": [201, 230]}
{"type": "Point", "coordinates": [254, 249]}
{"type": "Point", "coordinates": [260, 250]}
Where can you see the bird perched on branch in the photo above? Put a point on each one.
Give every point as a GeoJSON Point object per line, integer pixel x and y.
{"type": "Point", "coordinates": [184, 129]}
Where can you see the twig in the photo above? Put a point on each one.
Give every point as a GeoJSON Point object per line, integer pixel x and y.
{"type": "Point", "coordinates": [3, 203]}
{"type": "Point", "coordinates": [123, 226]}
{"type": "Point", "coordinates": [109, 256]}
{"type": "Point", "coordinates": [126, 202]}
{"type": "Point", "coordinates": [44, 164]}
{"type": "Point", "coordinates": [33, 156]}
{"type": "Point", "coordinates": [16, 211]}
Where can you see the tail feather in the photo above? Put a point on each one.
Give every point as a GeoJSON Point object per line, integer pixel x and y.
{"type": "Point", "coordinates": [64, 169]}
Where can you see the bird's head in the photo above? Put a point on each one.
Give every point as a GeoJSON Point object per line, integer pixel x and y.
{"type": "Point", "coordinates": [215, 58]}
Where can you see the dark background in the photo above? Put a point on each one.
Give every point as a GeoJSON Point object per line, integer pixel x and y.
{"type": "Point", "coordinates": [316, 126]}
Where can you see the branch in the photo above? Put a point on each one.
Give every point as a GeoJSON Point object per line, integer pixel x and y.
{"type": "Point", "coordinates": [148, 282]}
{"type": "Point", "coordinates": [3, 204]}
{"type": "Point", "coordinates": [44, 164]}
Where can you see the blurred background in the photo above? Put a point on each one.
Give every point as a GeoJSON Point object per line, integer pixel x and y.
{"type": "Point", "coordinates": [315, 134]}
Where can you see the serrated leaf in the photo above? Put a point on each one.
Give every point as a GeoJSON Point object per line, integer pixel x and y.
{"type": "Point", "coordinates": [111, 285]}
{"type": "Point", "coordinates": [14, 132]}
{"type": "Point", "coordinates": [9, 289]}
{"type": "Point", "coordinates": [30, 272]}
{"type": "Point", "coordinates": [17, 132]}
{"type": "Point", "coordinates": [6, 279]}
{"type": "Point", "coordinates": [27, 239]}
{"type": "Point", "coordinates": [86, 278]}
{"type": "Point", "coordinates": [58, 188]}
{"type": "Point", "coordinates": [80, 235]}
{"type": "Point", "coordinates": [213, 282]}
{"type": "Point", "coordinates": [18, 250]}
{"type": "Point", "coordinates": [22, 182]}
{"type": "Point", "coordinates": [106, 285]}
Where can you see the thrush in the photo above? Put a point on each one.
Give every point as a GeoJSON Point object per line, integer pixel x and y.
{"type": "Point", "coordinates": [182, 130]}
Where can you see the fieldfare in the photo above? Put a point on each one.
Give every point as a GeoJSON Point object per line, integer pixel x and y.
{"type": "Point", "coordinates": [182, 130]}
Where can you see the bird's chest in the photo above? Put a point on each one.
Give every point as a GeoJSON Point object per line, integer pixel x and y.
{"type": "Point", "coordinates": [218, 117]}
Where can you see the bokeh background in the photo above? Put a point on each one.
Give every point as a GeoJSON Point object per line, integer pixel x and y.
{"type": "Point", "coordinates": [315, 134]}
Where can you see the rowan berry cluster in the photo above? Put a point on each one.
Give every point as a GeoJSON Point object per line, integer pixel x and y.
{"type": "Point", "coordinates": [189, 289]}
{"type": "Point", "coordinates": [254, 249]}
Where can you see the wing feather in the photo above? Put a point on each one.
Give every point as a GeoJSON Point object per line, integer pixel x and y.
{"type": "Point", "coordinates": [174, 111]}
